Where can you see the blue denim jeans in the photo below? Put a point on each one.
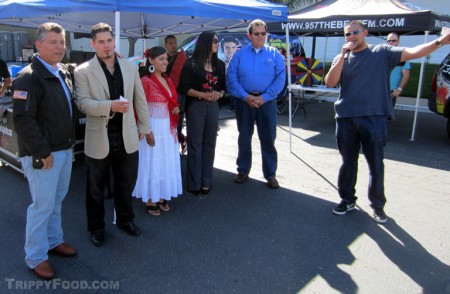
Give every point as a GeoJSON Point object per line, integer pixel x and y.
{"type": "Point", "coordinates": [48, 187]}
{"type": "Point", "coordinates": [266, 123]}
{"type": "Point", "coordinates": [368, 133]}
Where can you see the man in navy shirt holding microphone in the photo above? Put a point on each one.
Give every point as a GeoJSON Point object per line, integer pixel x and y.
{"type": "Point", "coordinates": [363, 109]}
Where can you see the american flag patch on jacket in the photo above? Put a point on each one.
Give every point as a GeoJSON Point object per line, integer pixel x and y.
{"type": "Point", "coordinates": [20, 95]}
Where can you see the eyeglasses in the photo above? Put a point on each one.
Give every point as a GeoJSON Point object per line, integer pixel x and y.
{"type": "Point", "coordinates": [256, 34]}
{"type": "Point", "coordinates": [215, 41]}
{"type": "Point", "coordinates": [392, 41]}
{"type": "Point", "coordinates": [354, 33]}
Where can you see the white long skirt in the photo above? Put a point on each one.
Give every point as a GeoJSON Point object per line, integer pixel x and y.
{"type": "Point", "coordinates": [159, 172]}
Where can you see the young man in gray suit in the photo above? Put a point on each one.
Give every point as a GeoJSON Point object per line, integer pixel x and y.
{"type": "Point", "coordinates": [109, 91]}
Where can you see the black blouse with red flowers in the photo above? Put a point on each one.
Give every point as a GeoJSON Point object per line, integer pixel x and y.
{"type": "Point", "coordinates": [202, 80]}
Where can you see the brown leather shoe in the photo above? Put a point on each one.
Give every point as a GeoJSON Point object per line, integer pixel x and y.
{"type": "Point", "coordinates": [240, 178]}
{"type": "Point", "coordinates": [63, 249]}
{"type": "Point", "coordinates": [44, 271]}
{"type": "Point", "coordinates": [273, 183]}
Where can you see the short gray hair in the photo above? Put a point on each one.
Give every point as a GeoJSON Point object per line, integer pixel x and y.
{"type": "Point", "coordinates": [44, 28]}
{"type": "Point", "coordinates": [256, 23]}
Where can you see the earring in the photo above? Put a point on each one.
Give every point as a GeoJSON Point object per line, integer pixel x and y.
{"type": "Point", "coordinates": [151, 68]}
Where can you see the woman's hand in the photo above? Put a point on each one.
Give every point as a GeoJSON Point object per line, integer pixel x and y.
{"type": "Point", "coordinates": [176, 110]}
{"type": "Point", "coordinates": [216, 95]}
{"type": "Point", "coordinates": [150, 138]}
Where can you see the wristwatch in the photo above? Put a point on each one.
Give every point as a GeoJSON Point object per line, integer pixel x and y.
{"type": "Point", "coordinates": [439, 44]}
{"type": "Point", "coordinates": [399, 89]}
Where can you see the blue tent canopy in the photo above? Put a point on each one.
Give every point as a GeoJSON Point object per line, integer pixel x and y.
{"type": "Point", "coordinates": [141, 18]}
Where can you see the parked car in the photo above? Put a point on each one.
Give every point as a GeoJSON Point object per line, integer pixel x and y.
{"type": "Point", "coordinates": [240, 39]}
{"type": "Point", "coordinates": [9, 149]}
{"type": "Point", "coordinates": [230, 42]}
{"type": "Point", "coordinates": [439, 98]}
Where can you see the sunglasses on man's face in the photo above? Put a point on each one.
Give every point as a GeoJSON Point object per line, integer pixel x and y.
{"type": "Point", "coordinates": [392, 41]}
{"type": "Point", "coordinates": [256, 34]}
{"type": "Point", "coordinates": [354, 33]}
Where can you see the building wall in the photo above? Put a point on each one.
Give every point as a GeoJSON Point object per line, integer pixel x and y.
{"type": "Point", "coordinates": [13, 40]}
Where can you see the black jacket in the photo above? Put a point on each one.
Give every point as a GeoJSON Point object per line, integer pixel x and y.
{"type": "Point", "coordinates": [41, 112]}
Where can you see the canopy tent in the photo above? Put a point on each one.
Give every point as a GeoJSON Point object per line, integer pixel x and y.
{"type": "Point", "coordinates": [380, 16]}
{"type": "Point", "coordinates": [328, 18]}
{"type": "Point", "coordinates": [141, 18]}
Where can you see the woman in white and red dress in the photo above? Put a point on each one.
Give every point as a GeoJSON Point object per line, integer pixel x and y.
{"type": "Point", "coordinates": [159, 174]}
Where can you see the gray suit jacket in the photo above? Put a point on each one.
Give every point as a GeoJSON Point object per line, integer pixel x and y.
{"type": "Point", "coordinates": [92, 93]}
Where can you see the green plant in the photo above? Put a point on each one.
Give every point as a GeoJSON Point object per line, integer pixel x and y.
{"type": "Point", "coordinates": [413, 83]}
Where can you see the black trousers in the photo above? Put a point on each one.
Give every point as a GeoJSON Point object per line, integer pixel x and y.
{"type": "Point", "coordinates": [124, 170]}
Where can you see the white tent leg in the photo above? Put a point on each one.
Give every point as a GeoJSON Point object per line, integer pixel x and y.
{"type": "Point", "coordinates": [288, 65]}
{"type": "Point", "coordinates": [117, 38]}
{"type": "Point", "coordinates": [324, 58]}
{"type": "Point", "coordinates": [144, 36]}
{"type": "Point", "coordinates": [117, 30]}
{"type": "Point", "coordinates": [419, 90]}
{"type": "Point", "coordinates": [144, 47]}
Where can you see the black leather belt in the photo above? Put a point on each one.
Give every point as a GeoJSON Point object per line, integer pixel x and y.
{"type": "Point", "coordinates": [255, 93]}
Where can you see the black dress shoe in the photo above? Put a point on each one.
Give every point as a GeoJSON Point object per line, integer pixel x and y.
{"type": "Point", "coordinates": [205, 191]}
{"type": "Point", "coordinates": [131, 229]}
{"type": "Point", "coordinates": [98, 237]}
{"type": "Point", "coordinates": [194, 192]}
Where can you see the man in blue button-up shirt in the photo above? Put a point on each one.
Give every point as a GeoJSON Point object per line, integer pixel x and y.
{"type": "Point", "coordinates": [255, 76]}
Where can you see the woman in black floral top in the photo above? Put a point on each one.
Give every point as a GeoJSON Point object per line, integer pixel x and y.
{"type": "Point", "coordinates": [203, 82]}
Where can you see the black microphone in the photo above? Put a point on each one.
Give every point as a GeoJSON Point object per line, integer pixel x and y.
{"type": "Point", "coordinates": [347, 53]}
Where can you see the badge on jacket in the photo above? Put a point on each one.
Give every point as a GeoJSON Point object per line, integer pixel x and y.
{"type": "Point", "coordinates": [23, 95]}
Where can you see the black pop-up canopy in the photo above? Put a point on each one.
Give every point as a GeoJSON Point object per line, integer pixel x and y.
{"type": "Point", "coordinates": [380, 16]}
{"type": "Point", "coordinates": [328, 18]}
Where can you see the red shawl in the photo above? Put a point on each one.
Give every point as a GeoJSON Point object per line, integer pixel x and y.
{"type": "Point", "coordinates": [177, 67]}
{"type": "Point", "coordinates": [156, 92]}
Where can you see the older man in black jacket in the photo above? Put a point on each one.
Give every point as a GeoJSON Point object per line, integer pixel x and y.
{"type": "Point", "coordinates": [43, 108]}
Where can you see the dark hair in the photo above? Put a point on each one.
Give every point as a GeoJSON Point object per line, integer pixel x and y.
{"type": "Point", "coordinates": [44, 28]}
{"type": "Point", "coordinates": [155, 52]}
{"type": "Point", "coordinates": [143, 70]}
{"type": "Point", "coordinates": [229, 39]}
{"type": "Point", "coordinates": [169, 37]}
{"type": "Point", "coordinates": [203, 49]}
{"type": "Point", "coordinates": [355, 22]}
{"type": "Point", "coordinates": [152, 53]}
{"type": "Point", "coordinates": [395, 33]}
{"type": "Point", "coordinates": [101, 28]}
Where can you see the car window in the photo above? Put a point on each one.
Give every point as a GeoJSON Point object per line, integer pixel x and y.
{"type": "Point", "coordinates": [230, 43]}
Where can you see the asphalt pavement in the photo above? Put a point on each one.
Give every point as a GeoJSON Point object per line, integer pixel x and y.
{"type": "Point", "coordinates": [248, 238]}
